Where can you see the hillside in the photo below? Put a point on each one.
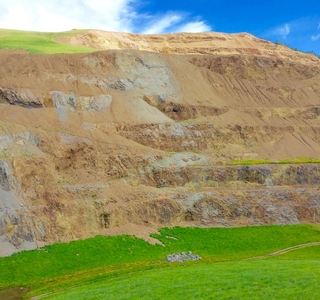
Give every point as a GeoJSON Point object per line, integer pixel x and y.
{"type": "Point", "coordinates": [157, 130]}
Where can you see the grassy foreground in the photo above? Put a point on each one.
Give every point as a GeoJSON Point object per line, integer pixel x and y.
{"type": "Point", "coordinates": [107, 264]}
{"type": "Point", "coordinates": [238, 280]}
{"type": "Point", "coordinates": [39, 42]}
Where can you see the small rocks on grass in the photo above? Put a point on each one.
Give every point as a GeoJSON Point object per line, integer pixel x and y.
{"type": "Point", "coordinates": [182, 257]}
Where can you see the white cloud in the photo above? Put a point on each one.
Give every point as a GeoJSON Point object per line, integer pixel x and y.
{"type": "Point", "coordinates": [60, 15]}
{"type": "Point", "coordinates": [163, 23]}
{"type": "Point", "coordinates": [194, 27]}
{"type": "Point", "coordinates": [283, 30]}
{"type": "Point", "coordinates": [315, 37]}
{"type": "Point", "coordinates": [110, 15]}
{"type": "Point", "coordinates": [280, 31]}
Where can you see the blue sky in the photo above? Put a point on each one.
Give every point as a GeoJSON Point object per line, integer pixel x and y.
{"type": "Point", "coordinates": [296, 23]}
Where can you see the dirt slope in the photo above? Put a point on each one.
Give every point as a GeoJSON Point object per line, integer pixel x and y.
{"type": "Point", "coordinates": [124, 140]}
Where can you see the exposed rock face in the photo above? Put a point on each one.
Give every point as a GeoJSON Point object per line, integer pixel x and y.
{"type": "Point", "coordinates": [96, 143]}
{"type": "Point", "coordinates": [24, 98]}
{"type": "Point", "coordinates": [16, 226]}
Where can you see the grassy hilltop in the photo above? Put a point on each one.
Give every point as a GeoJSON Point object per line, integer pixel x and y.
{"type": "Point", "coordinates": [39, 42]}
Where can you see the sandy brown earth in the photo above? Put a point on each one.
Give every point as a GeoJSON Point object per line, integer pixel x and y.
{"type": "Point", "coordinates": [140, 135]}
{"type": "Point", "coordinates": [212, 43]}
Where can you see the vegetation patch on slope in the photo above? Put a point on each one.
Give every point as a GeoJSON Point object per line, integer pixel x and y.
{"type": "Point", "coordinates": [296, 160]}
{"type": "Point", "coordinates": [39, 42]}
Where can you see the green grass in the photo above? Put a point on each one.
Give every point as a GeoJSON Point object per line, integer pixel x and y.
{"type": "Point", "coordinates": [298, 277]}
{"type": "Point", "coordinates": [219, 244]}
{"type": "Point", "coordinates": [239, 280]}
{"type": "Point", "coordinates": [39, 42]}
{"type": "Point", "coordinates": [296, 160]}
{"type": "Point", "coordinates": [59, 266]}
{"type": "Point", "coordinates": [309, 253]}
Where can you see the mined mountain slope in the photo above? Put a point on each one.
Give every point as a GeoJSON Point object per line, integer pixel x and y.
{"type": "Point", "coordinates": [212, 43]}
{"type": "Point", "coordinates": [128, 141]}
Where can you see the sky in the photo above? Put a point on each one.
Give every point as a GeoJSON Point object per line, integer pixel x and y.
{"type": "Point", "coordinates": [295, 23]}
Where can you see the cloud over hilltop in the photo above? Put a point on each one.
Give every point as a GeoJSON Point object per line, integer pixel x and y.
{"type": "Point", "coordinates": [280, 31]}
{"type": "Point", "coordinates": [110, 15]}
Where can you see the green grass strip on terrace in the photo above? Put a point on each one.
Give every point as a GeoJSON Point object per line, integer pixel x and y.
{"type": "Point", "coordinates": [297, 160]}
